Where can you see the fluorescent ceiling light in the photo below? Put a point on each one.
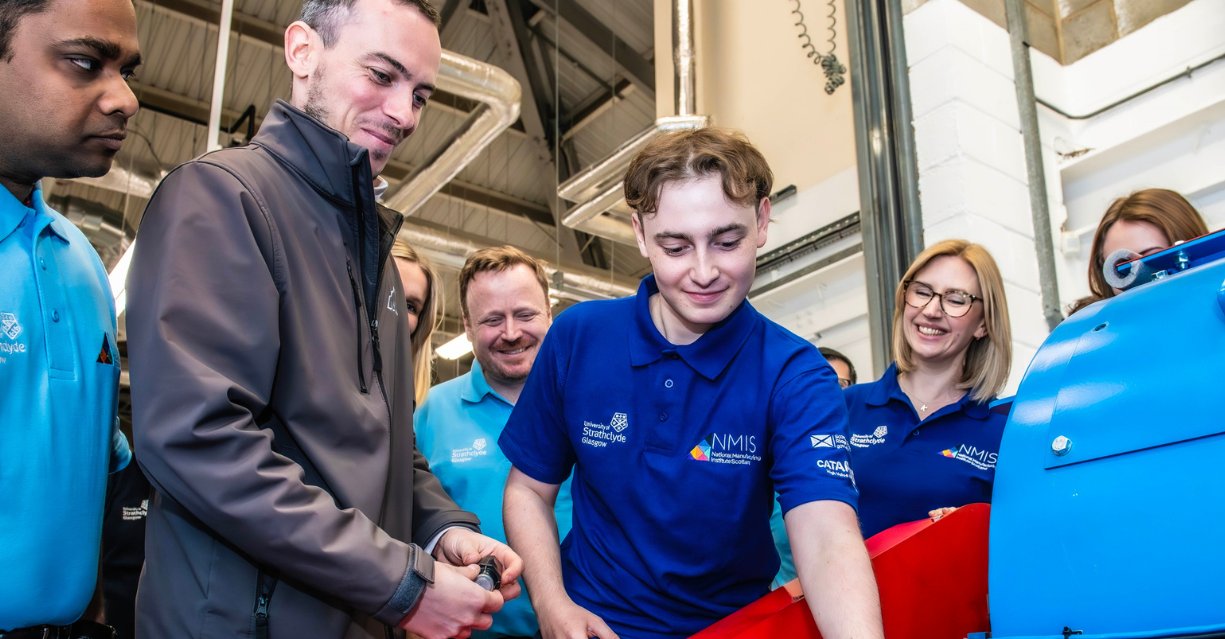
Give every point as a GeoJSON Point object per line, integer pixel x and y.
{"type": "Point", "coordinates": [456, 348]}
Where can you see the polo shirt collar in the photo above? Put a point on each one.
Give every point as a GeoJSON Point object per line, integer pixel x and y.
{"type": "Point", "coordinates": [709, 355]}
{"type": "Point", "coordinates": [14, 211]}
{"type": "Point", "coordinates": [889, 389]}
{"type": "Point", "coordinates": [477, 388]}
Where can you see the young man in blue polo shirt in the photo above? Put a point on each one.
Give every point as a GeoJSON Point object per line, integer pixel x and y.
{"type": "Point", "coordinates": [504, 298]}
{"type": "Point", "coordinates": [680, 411]}
{"type": "Point", "coordinates": [64, 66]}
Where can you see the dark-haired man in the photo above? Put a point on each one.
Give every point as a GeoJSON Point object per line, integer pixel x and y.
{"type": "Point", "coordinates": [272, 373]}
{"type": "Point", "coordinates": [64, 66]}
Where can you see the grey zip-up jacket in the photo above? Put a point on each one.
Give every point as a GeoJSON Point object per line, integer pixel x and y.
{"type": "Point", "coordinates": [262, 300]}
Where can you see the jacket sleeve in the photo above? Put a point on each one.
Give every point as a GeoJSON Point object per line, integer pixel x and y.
{"type": "Point", "coordinates": [203, 341]}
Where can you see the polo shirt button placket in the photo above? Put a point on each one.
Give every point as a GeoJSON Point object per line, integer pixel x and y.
{"type": "Point", "coordinates": [55, 315]}
{"type": "Point", "coordinates": [663, 416]}
{"type": "Point", "coordinates": [668, 383]}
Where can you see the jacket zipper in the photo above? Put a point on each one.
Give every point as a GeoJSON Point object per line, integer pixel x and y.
{"type": "Point", "coordinates": [357, 302]}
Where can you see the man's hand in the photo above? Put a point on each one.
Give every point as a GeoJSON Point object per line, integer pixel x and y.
{"type": "Point", "coordinates": [463, 547]}
{"type": "Point", "coordinates": [452, 606]}
{"type": "Point", "coordinates": [568, 620]}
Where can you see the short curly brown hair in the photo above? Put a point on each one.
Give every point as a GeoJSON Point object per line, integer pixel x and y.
{"type": "Point", "coordinates": [696, 153]}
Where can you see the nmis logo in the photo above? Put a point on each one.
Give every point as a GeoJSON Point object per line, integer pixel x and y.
{"type": "Point", "coordinates": [972, 455]}
{"type": "Point", "coordinates": [727, 448]}
{"type": "Point", "coordinates": [9, 325]}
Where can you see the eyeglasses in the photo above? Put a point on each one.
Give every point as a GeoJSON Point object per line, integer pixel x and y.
{"type": "Point", "coordinates": [954, 303]}
{"type": "Point", "coordinates": [844, 382]}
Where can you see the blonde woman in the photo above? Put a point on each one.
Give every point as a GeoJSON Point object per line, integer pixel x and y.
{"type": "Point", "coordinates": [419, 284]}
{"type": "Point", "coordinates": [921, 437]}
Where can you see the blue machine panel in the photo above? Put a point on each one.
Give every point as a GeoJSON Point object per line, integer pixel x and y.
{"type": "Point", "coordinates": [1108, 515]}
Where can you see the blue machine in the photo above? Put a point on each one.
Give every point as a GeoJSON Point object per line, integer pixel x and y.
{"type": "Point", "coordinates": [1108, 516]}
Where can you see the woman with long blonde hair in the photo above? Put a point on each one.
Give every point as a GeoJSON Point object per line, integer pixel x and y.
{"type": "Point", "coordinates": [419, 283]}
{"type": "Point", "coordinates": [922, 438]}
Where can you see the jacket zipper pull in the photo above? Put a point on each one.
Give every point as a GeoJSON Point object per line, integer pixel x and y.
{"type": "Point", "coordinates": [378, 351]}
{"type": "Point", "coordinates": [357, 304]}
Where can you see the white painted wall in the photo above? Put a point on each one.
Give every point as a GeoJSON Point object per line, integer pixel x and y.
{"type": "Point", "coordinates": [971, 163]}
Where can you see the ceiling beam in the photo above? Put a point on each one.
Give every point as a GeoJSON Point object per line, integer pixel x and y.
{"type": "Point", "coordinates": [510, 31]}
{"type": "Point", "coordinates": [478, 195]}
{"type": "Point", "coordinates": [629, 62]}
{"type": "Point", "coordinates": [595, 104]}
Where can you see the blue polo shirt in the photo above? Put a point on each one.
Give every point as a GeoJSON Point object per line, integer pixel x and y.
{"type": "Point", "coordinates": [677, 452]}
{"type": "Point", "coordinates": [907, 467]}
{"type": "Point", "coordinates": [59, 436]}
{"type": "Point", "coordinates": [457, 431]}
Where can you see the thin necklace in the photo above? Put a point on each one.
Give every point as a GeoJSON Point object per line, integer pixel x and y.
{"type": "Point", "coordinates": [922, 404]}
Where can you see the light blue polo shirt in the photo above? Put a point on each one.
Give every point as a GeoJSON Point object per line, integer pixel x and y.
{"type": "Point", "coordinates": [677, 452]}
{"type": "Point", "coordinates": [457, 431]}
{"type": "Point", "coordinates": [907, 467]}
{"type": "Point", "coordinates": [59, 436]}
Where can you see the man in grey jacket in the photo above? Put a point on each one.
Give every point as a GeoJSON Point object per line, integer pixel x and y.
{"type": "Point", "coordinates": [271, 372]}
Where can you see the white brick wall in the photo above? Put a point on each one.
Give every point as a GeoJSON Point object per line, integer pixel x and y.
{"type": "Point", "coordinates": [972, 177]}
{"type": "Point", "coordinates": [971, 159]}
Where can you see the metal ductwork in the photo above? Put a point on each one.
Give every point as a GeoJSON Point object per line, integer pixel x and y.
{"type": "Point", "coordinates": [598, 190]}
{"type": "Point", "coordinates": [451, 248]}
{"type": "Point", "coordinates": [499, 95]}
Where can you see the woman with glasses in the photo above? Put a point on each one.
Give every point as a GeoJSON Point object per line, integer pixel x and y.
{"type": "Point", "coordinates": [921, 437]}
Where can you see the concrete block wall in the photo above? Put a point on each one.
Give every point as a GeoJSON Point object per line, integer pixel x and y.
{"type": "Point", "coordinates": [972, 178]}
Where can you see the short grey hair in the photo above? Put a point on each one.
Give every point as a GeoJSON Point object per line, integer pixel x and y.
{"type": "Point", "coordinates": [327, 16]}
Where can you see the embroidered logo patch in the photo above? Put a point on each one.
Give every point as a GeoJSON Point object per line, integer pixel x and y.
{"type": "Point", "coordinates": [972, 455]}
{"type": "Point", "coordinates": [828, 441]}
{"type": "Point", "coordinates": [9, 325]}
{"type": "Point", "coordinates": [727, 448]}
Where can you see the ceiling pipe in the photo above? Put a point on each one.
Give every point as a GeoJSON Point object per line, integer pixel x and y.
{"type": "Point", "coordinates": [598, 190]}
{"type": "Point", "coordinates": [684, 82]}
{"type": "Point", "coordinates": [223, 57]}
{"type": "Point", "coordinates": [453, 248]}
{"type": "Point", "coordinates": [499, 95]}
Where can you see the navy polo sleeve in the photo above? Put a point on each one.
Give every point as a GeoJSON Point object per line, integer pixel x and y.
{"type": "Point", "coordinates": [808, 440]}
{"type": "Point", "coordinates": [535, 439]}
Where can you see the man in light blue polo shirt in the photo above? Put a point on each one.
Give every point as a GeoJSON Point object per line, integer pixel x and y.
{"type": "Point", "coordinates": [681, 411]}
{"type": "Point", "coordinates": [504, 298]}
{"type": "Point", "coordinates": [64, 66]}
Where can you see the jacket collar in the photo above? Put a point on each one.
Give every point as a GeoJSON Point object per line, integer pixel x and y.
{"type": "Point", "coordinates": [709, 355]}
{"type": "Point", "coordinates": [323, 156]}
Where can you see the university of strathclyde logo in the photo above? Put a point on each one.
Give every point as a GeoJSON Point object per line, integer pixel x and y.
{"type": "Point", "coordinates": [9, 325]}
{"type": "Point", "coordinates": [877, 436]}
{"type": "Point", "coordinates": [701, 452]}
{"type": "Point", "coordinates": [600, 435]}
{"type": "Point", "coordinates": [972, 455]}
{"type": "Point", "coordinates": [465, 455]}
